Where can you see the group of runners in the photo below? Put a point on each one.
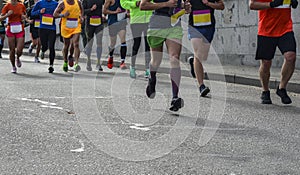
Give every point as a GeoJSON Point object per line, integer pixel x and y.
{"type": "Point", "coordinates": [158, 23]}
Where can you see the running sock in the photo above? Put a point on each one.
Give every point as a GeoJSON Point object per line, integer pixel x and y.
{"type": "Point", "coordinates": [175, 74]}
{"type": "Point", "coordinates": [153, 71]}
{"type": "Point", "coordinates": [111, 51]}
{"type": "Point", "coordinates": [123, 51]}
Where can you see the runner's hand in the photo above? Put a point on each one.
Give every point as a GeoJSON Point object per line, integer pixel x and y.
{"type": "Point", "coordinates": [294, 4]}
{"type": "Point", "coordinates": [10, 12]}
{"type": "Point", "coordinates": [205, 2]}
{"type": "Point", "coordinates": [118, 10]}
{"type": "Point", "coordinates": [42, 10]}
{"type": "Point", "coordinates": [187, 6]}
{"type": "Point", "coordinates": [81, 19]}
{"type": "Point", "coordinates": [94, 7]}
{"type": "Point", "coordinates": [171, 3]}
{"type": "Point", "coordinates": [67, 14]}
{"type": "Point", "coordinates": [276, 3]}
{"type": "Point", "coordinates": [137, 3]}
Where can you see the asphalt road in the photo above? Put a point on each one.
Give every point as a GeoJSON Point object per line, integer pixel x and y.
{"type": "Point", "coordinates": [102, 123]}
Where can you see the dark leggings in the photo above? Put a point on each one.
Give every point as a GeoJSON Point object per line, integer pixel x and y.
{"type": "Point", "coordinates": [48, 38]}
{"type": "Point", "coordinates": [137, 31]}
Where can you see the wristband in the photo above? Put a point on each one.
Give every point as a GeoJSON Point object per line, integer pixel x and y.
{"type": "Point", "coordinates": [61, 15]}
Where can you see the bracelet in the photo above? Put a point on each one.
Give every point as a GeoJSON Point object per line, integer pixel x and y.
{"type": "Point", "coordinates": [61, 15]}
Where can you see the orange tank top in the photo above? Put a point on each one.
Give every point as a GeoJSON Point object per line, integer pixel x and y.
{"type": "Point", "coordinates": [71, 25]}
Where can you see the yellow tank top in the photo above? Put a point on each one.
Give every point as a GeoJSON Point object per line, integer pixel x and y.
{"type": "Point", "coordinates": [71, 25]}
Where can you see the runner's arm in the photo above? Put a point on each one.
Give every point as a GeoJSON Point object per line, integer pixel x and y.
{"type": "Point", "coordinates": [87, 10]}
{"type": "Point", "coordinates": [218, 5]}
{"type": "Point", "coordinates": [106, 6]}
{"type": "Point", "coordinates": [36, 9]}
{"type": "Point", "coordinates": [148, 5]}
{"type": "Point", "coordinates": [81, 8]}
{"type": "Point", "coordinates": [255, 5]}
{"type": "Point", "coordinates": [4, 16]}
{"type": "Point", "coordinates": [58, 10]}
{"type": "Point", "coordinates": [129, 4]}
{"type": "Point", "coordinates": [81, 11]}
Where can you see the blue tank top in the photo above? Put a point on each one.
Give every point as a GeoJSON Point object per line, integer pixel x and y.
{"type": "Point", "coordinates": [113, 18]}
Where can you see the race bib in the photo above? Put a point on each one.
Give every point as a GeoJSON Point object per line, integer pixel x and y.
{"type": "Point", "coordinates": [37, 23]}
{"type": "Point", "coordinates": [121, 16]}
{"type": "Point", "coordinates": [47, 19]}
{"type": "Point", "coordinates": [72, 23]}
{"type": "Point", "coordinates": [286, 4]}
{"type": "Point", "coordinates": [201, 17]}
{"type": "Point", "coordinates": [175, 18]}
{"type": "Point", "coordinates": [95, 20]}
{"type": "Point", "coordinates": [15, 27]}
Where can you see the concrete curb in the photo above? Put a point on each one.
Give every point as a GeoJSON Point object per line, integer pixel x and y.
{"type": "Point", "coordinates": [229, 78]}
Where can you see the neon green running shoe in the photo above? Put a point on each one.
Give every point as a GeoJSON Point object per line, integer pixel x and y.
{"type": "Point", "coordinates": [65, 66]}
{"type": "Point", "coordinates": [77, 68]}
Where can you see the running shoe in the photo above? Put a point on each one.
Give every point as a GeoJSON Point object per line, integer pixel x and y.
{"type": "Point", "coordinates": [14, 70]}
{"type": "Point", "coordinates": [89, 65]}
{"type": "Point", "coordinates": [18, 62]}
{"type": "Point", "coordinates": [132, 73]}
{"type": "Point", "coordinates": [36, 60]}
{"type": "Point", "coordinates": [123, 65]}
{"type": "Point", "coordinates": [65, 66]}
{"type": "Point", "coordinates": [285, 99]}
{"type": "Point", "coordinates": [51, 69]}
{"type": "Point", "coordinates": [203, 90]}
{"type": "Point", "coordinates": [30, 48]}
{"type": "Point", "coordinates": [42, 55]}
{"type": "Point", "coordinates": [191, 61]}
{"type": "Point", "coordinates": [99, 67]}
{"type": "Point", "coordinates": [71, 61]}
{"type": "Point", "coordinates": [110, 62]}
{"type": "Point", "coordinates": [265, 97]}
{"type": "Point", "coordinates": [176, 104]}
{"type": "Point", "coordinates": [147, 73]}
{"type": "Point", "coordinates": [150, 90]}
{"type": "Point", "coordinates": [77, 68]}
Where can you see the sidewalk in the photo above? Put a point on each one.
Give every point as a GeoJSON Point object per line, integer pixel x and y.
{"type": "Point", "coordinates": [245, 75]}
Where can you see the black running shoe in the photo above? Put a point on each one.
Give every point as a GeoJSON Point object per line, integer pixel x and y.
{"type": "Point", "coordinates": [203, 90]}
{"type": "Point", "coordinates": [191, 61]}
{"type": "Point", "coordinates": [265, 97]}
{"type": "Point", "coordinates": [51, 69]}
{"type": "Point", "coordinates": [150, 90]}
{"type": "Point", "coordinates": [176, 104]}
{"type": "Point", "coordinates": [285, 99]}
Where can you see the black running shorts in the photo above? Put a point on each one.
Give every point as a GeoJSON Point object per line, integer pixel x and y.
{"type": "Point", "coordinates": [266, 46]}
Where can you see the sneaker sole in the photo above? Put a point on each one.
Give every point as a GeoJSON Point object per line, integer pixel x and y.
{"type": "Point", "coordinates": [177, 105]}
{"type": "Point", "coordinates": [205, 92]}
{"type": "Point", "coordinates": [110, 66]}
{"type": "Point", "coordinates": [152, 95]}
{"type": "Point", "coordinates": [89, 68]}
{"type": "Point", "coordinates": [266, 102]}
{"type": "Point", "coordinates": [286, 103]}
{"type": "Point", "coordinates": [77, 69]}
{"type": "Point", "coordinates": [132, 76]}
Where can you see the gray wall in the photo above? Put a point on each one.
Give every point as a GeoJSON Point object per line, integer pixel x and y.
{"type": "Point", "coordinates": [236, 34]}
